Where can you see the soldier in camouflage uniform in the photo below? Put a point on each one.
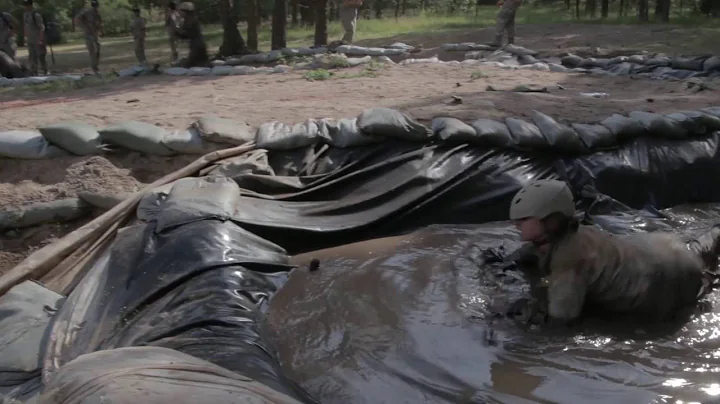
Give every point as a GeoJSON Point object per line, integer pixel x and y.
{"type": "Point", "coordinates": [348, 17]}
{"type": "Point", "coordinates": [35, 38]}
{"type": "Point", "coordinates": [138, 31]}
{"type": "Point", "coordinates": [506, 21]}
{"type": "Point", "coordinates": [189, 28]}
{"type": "Point", "coordinates": [90, 22]}
{"type": "Point", "coordinates": [8, 26]}
{"type": "Point", "coordinates": [171, 24]}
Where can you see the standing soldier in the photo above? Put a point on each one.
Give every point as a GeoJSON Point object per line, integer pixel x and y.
{"type": "Point", "coordinates": [35, 38]}
{"type": "Point", "coordinates": [189, 28]}
{"type": "Point", "coordinates": [171, 24]}
{"type": "Point", "coordinates": [8, 26]}
{"type": "Point", "coordinates": [91, 23]}
{"type": "Point", "coordinates": [138, 32]}
{"type": "Point", "coordinates": [348, 17]}
{"type": "Point", "coordinates": [506, 21]}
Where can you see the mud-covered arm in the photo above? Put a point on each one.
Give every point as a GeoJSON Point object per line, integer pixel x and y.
{"type": "Point", "coordinates": [566, 295]}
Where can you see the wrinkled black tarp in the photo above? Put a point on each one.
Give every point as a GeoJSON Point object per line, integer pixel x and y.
{"type": "Point", "coordinates": [198, 286]}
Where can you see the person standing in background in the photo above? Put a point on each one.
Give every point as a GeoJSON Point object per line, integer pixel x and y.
{"type": "Point", "coordinates": [348, 17]}
{"type": "Point", "coordinates": [8, 27]}
{"type": "Point", "coordinates": [189, 28]}
{"type": "Point", "coordinates": [506, 21]}
{"type": "Point", "coordinates": [35, 38]}
{"type": "Point", "coordinates": [138, 32]}
{"type": "Point", "coordinates": [171, 24]}
{"type": "Point", "coordinates": [90, 21]}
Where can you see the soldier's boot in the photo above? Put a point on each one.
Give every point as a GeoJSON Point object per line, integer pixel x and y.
{"type": "Point", "coordinates": [497, 42]}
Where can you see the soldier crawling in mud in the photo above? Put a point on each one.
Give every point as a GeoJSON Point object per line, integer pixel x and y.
{"type": "Point", "coordinates": [506, 21]}
{"type": "Point", "coordinates": [189, 28]}
{"type": "Point", "coordinates": [642, 276]}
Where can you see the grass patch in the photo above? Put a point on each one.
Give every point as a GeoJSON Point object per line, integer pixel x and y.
{"type": "Point", "coordinates": [318, 75]}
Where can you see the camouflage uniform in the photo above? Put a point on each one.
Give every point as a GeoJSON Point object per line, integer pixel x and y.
{"type": "Point", "coordinates": [348, 17]}
{"type": "Point", "coordinates": [35, 39]}
{"type": "Point", "coordinates": [171, 25]}
{"type": "Point", "coordinates": [91, 23]}
{"type": "Point", "coordinates": [8, 25]}
{"type": "Point", "coordinates": [648, 275]}
{"type": "Point", "coordinates": [506, 21]}
{"type": "Point", "coordinates": [189, 28]}
{"type": "Point", "coordinates": [138, 31]}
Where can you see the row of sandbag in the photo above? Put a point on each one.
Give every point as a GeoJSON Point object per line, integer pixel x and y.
{"type": "Point", "coordinates": [395, 49]}
{"type": "Point", "coordinates": [698, 64]}
{"type": "Point", "coordinates": [37, 80]}
{"type": "Point", "coordinates": [371, 126]}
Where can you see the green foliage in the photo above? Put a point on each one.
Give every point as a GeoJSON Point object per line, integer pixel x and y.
{"type": "Point", "coordinates": [318, 75]}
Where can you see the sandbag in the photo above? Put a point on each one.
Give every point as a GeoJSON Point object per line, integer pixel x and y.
{"type": "Point", "coordinates": [707, 122]}
{"type": "Point", "coordinates": [176, 71]}
{"type": "Point", "coordinates": [527, 60]}
{"type": "Point", "coordinates": [102, 201]}
{"type": "Point", "coordinates": [658, 125]}
{"type": "Point", "coordinates": [621, 69]}
{"type": "Point", "coordinates": [199, 71]}
{"type": "Point", "coordinates": [595, 136]}
{"type": "Point", "coordinates": [190, 142]}
{"type": "Point", "coordinates": [386, 122]}
{"type": "Point", "coordinates": [137, 136]}
{"type": "Point", "coordinates": [637, 59]}
{"type": "Point", "coordinates": [658, 61]}
{"type": "Point", "coordinates": [453, 130]}
{"type": "Point", "coordinates": [279, 136]}
{"type": "Point", "coordinates": [559, 137]}
{"type": "Point", "coordinates": [152, 375]}
{"type": "Point", "coordinates": [492, 133]}
{"type": "Point", "coordinates": [623, 127]}
{"type": "Point", "coordinates": [571, 61]}
{"type": "Point", "coordinates": [254, 162]}
{"type": "Point", "coordinates": [526, 135]}
{"type": "Point", "coordinates": [28, 145]}
{"type": "Point", "coordinates": [151, 203]}
{"type": "Point", "coordinates": [221, 70]}
{"type": "Point", "coordinates": [76, 137]}
{"type": "Point", "coordinates": [712, 111]}
{"type": "Point", "coordinates": [221, 130]}
{"type": "Point", "coordinates": [519, 50]}
{"type": "Point", "coordinates": [695, 64]}
{"type": "Point", "coordinates": [344, 133]}
{"type": "Point", "coordinates": [62, 210]}
{"type": "Point", "coordinates": [193, 199]}
{"type": "Point", "coordinates": [25, 310]}
{"type": "Point", "coordinates": [711, 64]}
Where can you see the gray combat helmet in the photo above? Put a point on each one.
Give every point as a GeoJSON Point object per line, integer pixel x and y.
{"type": "Point", "coordinates": [542, 198]}
{"type": "Point", "coordinates": [186, 6]}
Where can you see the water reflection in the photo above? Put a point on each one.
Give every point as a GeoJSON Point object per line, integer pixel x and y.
{"type": "Point", "coordinates": [409, 320]}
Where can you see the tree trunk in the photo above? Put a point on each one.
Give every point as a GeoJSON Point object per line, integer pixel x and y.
{"type": "Point", "coordinates": [590, 8]}
{"type": "Point", "coordinates": [334, 12]}
{"type": "Point", "coordinates": [233, 43]}
{"type": "Point", "coordinates": [577, 9]}
{"type": "Point", "coordinates": [279, 21]}
{"type": "Point", "coordinates": [643, 14]}
{"type": "Point", "coordinates": [662, 10]}
{"type": "Point", "coordinates": [604, 8]}
{"type": "Point", "coordinates": [294, 10]}
{"type": "Point", "coordinates": [252, 25]}
{"type": "Point", "coordinates": [321, 34]}
{"type": "Point", "coordinates": [404, 7]}
{"type": "Point", "coordinates": [397, 9]}
{"type": "Point", "coordinates": [307, 14]}
{"type": "Point", "coordinates": [378, 6]}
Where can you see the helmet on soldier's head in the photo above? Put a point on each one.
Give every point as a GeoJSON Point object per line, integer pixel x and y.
{"type": "Point", "coordinates": [94, 3]}
{"type": "Point", "coordinates": [186, 6]}
{"type": "Point", "coordinates": [541, 199]}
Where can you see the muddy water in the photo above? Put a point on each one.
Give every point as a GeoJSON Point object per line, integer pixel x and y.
{"type": "Point", "coordinates": [406, 320]}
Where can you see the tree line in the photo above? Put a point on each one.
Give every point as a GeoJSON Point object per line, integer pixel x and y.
{"type": "Point", "coordinates": [317, 13]}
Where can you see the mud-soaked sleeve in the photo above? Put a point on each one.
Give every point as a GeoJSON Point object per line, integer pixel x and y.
{"type": "Point", "coordinates": [566, 294]}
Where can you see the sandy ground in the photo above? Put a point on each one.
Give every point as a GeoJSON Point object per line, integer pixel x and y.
{"type": "Point", "coordinates": [424, 91]}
